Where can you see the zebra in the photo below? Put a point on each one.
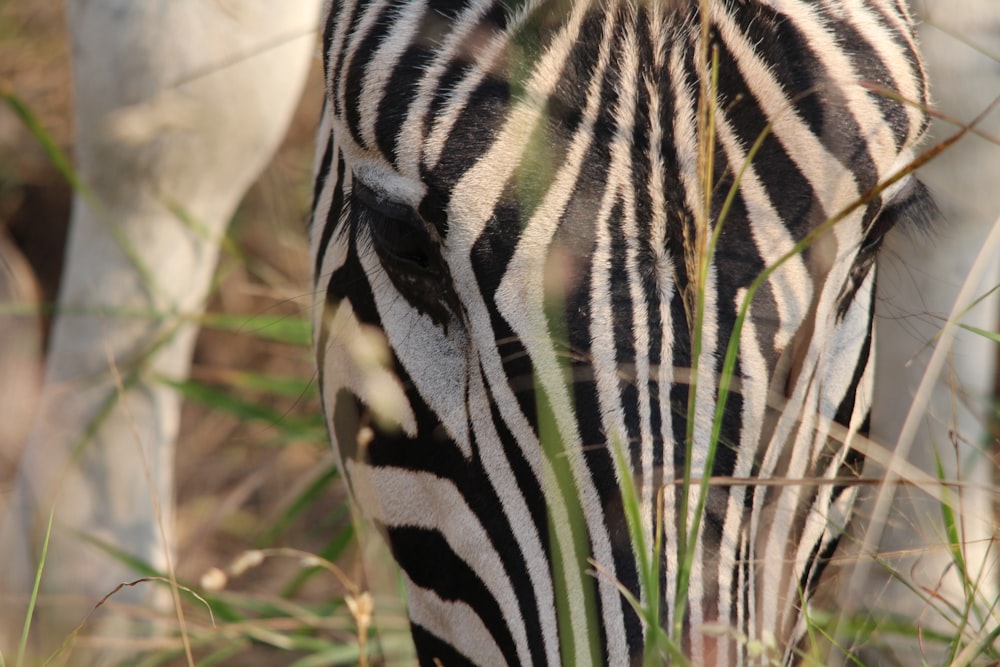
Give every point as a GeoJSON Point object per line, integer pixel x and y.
{"type": "Point", "coordinates": [536, 232]}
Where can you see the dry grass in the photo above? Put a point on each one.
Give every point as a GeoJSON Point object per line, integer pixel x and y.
{"type": "Point", "coordinates": [242, 483]}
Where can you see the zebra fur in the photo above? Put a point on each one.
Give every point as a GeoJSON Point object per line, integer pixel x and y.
{"type": "Point", "coordinates": [507, 199]}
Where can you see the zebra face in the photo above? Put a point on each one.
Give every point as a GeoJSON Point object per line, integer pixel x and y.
{"type": "Point", "coordinates": [535, 231]}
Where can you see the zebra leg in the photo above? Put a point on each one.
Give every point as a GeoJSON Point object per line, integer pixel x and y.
{"type": "Point", "coordinates": [179, 105]}
{"type": "Point", "coordinates": [921, 278]}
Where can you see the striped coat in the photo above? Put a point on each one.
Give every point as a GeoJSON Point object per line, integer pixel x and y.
{"type": "Point", "coordinates": [536, 228]}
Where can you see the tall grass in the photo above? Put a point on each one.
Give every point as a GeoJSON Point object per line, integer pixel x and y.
{"type": "Point", "coordinates": [273, 576]}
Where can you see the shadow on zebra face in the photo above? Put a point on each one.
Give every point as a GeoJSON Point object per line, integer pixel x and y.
{"type": "Point", "coordinates": [575, 261]}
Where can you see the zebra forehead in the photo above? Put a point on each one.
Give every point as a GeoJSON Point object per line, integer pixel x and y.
{"type": "Point", "coordinates": [445, 76]}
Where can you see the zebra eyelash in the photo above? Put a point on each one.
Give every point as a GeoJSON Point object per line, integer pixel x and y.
{"type": "Point", "coordinates": [913, 208]}
{"type": "Point", "coordinates": [394, 231]}
{"type": "Point", "coordinates": [353, 217]}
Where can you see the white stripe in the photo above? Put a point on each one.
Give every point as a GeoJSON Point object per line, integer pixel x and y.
{"type": "Point", "coordinates": [664, 272]}
{"type": "Point", "coordinates": [382, 63]}
{"type": "Point", "coordinates": [476, 194]}
{"type": "Point", "coordinates": [603, 349]}
{"type": "Point", "coordinates": [790, 284]}
{"type": "Point", "coordinates": [439, 377]}
{"type": "Point", "coordinates": [516, 511]}
{"type": "Point", "coordinates": [407, 499]}
{"type": "Point", "coordinates": [352, 361]}
{"type": "Point", "coordinates": [521, 298]}
{"type": "Point", "coordinates": [348, 46]}
{"type": "Point", "coordinates": [833, 185]}
{"type": "Point", "coordinates": [837, 372]}
{"type": "Point", "coordinates": [686, 147]}
{"type": "Point", "coordinates": [336, 43]}
{"type": "Point", "coordinates": [705, 403]}
{"type": "Point", "coordinates": [658, 205]}
{"type": "Point", "coordinates": [819, 168]}
{"type": "Point", "coordinates": [485, 57]}
{"type": "Point", "coordinates": [460, 35]}
{"type": "Point", "coordinates": [456, 623]}
{"type": "Point", "coordinates": [875, 131]}
{"type": "Point", "coordinates": [753, 393]}
{"type": "Point", "coordinates": [903, 72]}
{"type": "Point", "coordinates": [333, 256]}
{"type": "Point", "coordinates": [622, 154]}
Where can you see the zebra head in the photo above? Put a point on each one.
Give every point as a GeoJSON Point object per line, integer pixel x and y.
{"type": "Point", "coordinates": [537, 226]}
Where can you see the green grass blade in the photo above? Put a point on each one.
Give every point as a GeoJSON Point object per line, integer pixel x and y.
{"type": "Point", "coordinates": [650, 562]}
{"type": "Point", "coordinates": [141, 567]}
{"type": "Point", "coordinates": [44, 139]}
{"type": "Point", "coordinates": [991, 335]}
{"type": "Point", "coordinates": [273, 385]}
{"type": "Point", "coordinates": [23, 645]}
{"type": "Point", "coordinates": [295, 428]}
{"type": "Point", "coordinates": [308, 498]}
{"type": "Point", "coordinates": [288, 329]}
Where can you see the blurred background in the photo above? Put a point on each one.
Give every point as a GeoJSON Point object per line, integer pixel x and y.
{"type": "Point", "coordinates": [254, 468]}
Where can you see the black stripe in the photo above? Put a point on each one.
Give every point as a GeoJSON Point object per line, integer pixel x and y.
{"type": "Point", "coordinates": [398, 97]}
{"type": "Point", "coordinates": [872, 70]}
{"type": "Point", "coordinates": [333, 217]}
{"type": "Point", "coordinates": [788, 190]}
{"type": "Point", "coordinates": [409, 71]}
{"type": "Point", "coordinates": [430, 563]}
{"type": "Point", "coordinates": [432, 651]}
{"type": "Point", "coordinates": [328, 30]}
{"type": "Point", "coordinates": [474, 132]}
{"type": "Point", "coordinates": [333, 61]}
{"type": "Point", "coordinates": [358, 67]}
{"type": "Point", "coordinates": [530, 489]}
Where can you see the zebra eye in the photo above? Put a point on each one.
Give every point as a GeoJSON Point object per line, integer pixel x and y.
{"type": "Point", "coordinates": [397, 234]}
{"type": "Point", "coordinates": [408, 253]}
